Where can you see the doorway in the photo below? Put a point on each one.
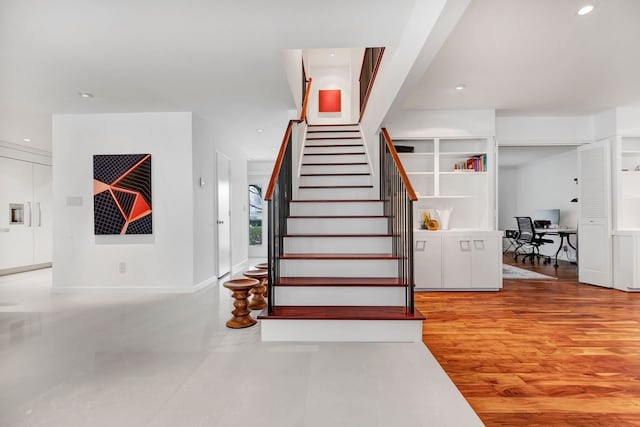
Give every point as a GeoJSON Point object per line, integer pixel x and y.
{"type": "Point", "coordinates": [223, 213]}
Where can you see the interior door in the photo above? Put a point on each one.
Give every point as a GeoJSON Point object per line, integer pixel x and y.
{"type": "Point", "coordinates": [594, 214]}
{"type": "Point", "coordinates": [223, 212]}
{"type": "Point", "coordinates": [42, 214]}
{"type": "Point", "coordinates": [16, 219]}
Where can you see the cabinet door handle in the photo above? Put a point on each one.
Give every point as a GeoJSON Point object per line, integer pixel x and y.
{"type": "Point", "coordinates": [39, 210]}
{"type": "Point", "coordinates": [465, 245]}
{"type": "Point", "coordinates": [478, 244]}
{"type": "Point", "coordinates": [28, 209]}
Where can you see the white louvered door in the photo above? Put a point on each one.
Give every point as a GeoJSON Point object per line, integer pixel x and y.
{"type": "Point", "coordinates": [594, 218]}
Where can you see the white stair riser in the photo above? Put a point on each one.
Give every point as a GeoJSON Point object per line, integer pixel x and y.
{"type": "Point", "coordinates": [335, 180]}
{"type": "Point", "coordinates": [341, 245]}
{"type": "Point", "coordinates": [341, 142]}
{"type": "Point", "coordinates": [341, 330]}
{"type": "Point", "coordinates": [316, 134]}
{"type": "Point", "coordinates": [340, 295]}
{"type": "Point", "coordinates": [347, 158]}
{"type": "Point", "coordinates": [309, 149]}
{"type": "Point", "coordinates": [337, 225]}
{"type": "Point", "coordinates": [338, 268]}
{"type": "Point", "coordinates": [337, 194]}
{"type": "Point", "coordinates": [335, 169]}
{"type": "Point", "coordinates": [329, 127]}
{"type": "Point", "coordinates": [337, 208]}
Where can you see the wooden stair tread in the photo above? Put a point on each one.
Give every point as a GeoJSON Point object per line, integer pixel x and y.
{"type": "Point", "coordinates": [337, 216]}
{"type": "Point", "coordinates": [335, 186]}
{"type": "Point", "coordinates": [338, 201]}
{"type": "Point", "coordinates": [329, 125]}
{"type": "Point", "coordinates": [341, 281]}
{"type": "Point", "coordinates": [340, 256]}
{"type": "Point", "coordinates": [324, 138]}
{"type": "Point", "coordinates": [335, 164]}
{"type": "Point", "coordinates": [351, 236]}
{"type": "Point", "coordinates": [333, 130]}
{"type": "Point", "coordinates": [334, 154]}
{"type": "Point", "coordinates": [336, 174]}
{"type": "Point", "coordinates": [333, 145]}
{"type": "Point", "coordinates": [341, 313]}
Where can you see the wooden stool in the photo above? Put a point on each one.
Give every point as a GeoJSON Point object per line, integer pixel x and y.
{"type": "Point", "coordinates": [258, 291]}
{"type": "Point", "coordinates": [240, 289]}
{"type": "Point", "coordinates": [262, 266]}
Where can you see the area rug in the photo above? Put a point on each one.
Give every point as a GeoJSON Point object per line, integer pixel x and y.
{"type": "Point", "coordinates": [511, 272]}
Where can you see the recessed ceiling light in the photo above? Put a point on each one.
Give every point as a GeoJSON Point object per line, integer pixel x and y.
{"type": "Point", "coordinates": [260, 130]}
{"type": "Point", "coordinates": [586, 9]}
{"type": "Point", "coordinates": [460, 87]}
{"type": "Point", "coordinates": [333, 54]}
{"type": "Point", "coordinates": [26, 139]}
{"type": "Point", "coordinates": [85, 95]}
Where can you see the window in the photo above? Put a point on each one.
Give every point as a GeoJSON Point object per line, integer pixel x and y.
{"type": "Point", "coordinates": [255, 215]}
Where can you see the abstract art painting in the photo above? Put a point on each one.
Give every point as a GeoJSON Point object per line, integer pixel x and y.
{"type": "Point", "coordinates": [122, 194]}
{"type": "Point", "coordinates": [329, 101]}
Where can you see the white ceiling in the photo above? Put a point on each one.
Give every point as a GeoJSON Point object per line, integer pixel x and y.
{"type": "Point", "coordinates": [537, 57]}
{"type": "Point", "coordinates": [220, 59]}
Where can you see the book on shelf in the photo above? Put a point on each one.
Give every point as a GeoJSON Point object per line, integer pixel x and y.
{"type": "Point", "coordinates": [472, 164]}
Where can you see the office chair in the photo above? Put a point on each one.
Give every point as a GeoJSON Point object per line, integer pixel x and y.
{"type": "Point", "coordinates": [512, 238]}
{"type": "Point", "coordinates": [528, 238]}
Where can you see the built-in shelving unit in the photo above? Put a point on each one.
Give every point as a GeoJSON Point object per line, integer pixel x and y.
{"type": "Point", "coordinates": [627, 185]}
{"type": "Point", "coordinates": [434, 168]}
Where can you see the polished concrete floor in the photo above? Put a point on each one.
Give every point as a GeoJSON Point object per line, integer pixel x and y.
{"type": "Point", "coordinates": [88, 359]}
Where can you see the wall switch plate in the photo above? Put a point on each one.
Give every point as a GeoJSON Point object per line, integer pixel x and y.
{"type": "Point", "coordinates": [123, 267]}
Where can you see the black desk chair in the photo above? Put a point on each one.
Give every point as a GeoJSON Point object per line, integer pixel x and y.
{"type": "Point", "coordinates": [527, 238]}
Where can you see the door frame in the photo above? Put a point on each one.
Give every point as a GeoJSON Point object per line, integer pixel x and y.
{"type": "Point", "coordinates": [219, 156]}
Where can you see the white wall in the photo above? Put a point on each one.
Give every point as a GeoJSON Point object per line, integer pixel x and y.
{"type": "Point", "coordinates": [508, 186]}
{"type": "Point", "coordinates": [158, 262]}
{"type": "Point", "coordinates": [292, 60]}
{"type": "Point", "coordinates": [445, 123]}
{"type": "Point", "coordinates": [545, 184]}
{"type": "Point", "coordinates": [208, 138]}
{"type": "Point", "coordinates": [336, 77]}
{"type": "Point", "coordinates": [545, 130]}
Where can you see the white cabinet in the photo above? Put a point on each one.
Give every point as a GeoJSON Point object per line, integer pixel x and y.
{"type": "Point", "coordinates": [452, 260]}
{"type": "Point", "coordinates": [626, 265]}
{"type": "Point", "coordinates": [25, 213]}
{"type": "Point", "coordinates": [472, 262]}
{"type": "Point", "coordinates": [427, 260]}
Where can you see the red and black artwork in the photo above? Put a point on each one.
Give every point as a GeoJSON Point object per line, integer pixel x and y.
{"type": "Point", "coordinates": [122, 194]}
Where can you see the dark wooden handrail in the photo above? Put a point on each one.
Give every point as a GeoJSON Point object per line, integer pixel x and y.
{"type": "Point", "coordinates": [364, 97]}
{"type": "Point", "coordinates": [276, 168]}
{"type": "Point", "coordinates": [403, 175]}
{"type": "Point", "coordinates": [285, 140]}
{"type": "Point", "coordinates": [303, 113]}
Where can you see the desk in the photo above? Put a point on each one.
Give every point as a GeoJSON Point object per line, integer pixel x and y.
{"type": "Point", "coordinates": [563, 233]}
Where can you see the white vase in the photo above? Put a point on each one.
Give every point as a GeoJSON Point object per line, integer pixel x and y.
{"type": "Point", "coordinates": [443, 217]}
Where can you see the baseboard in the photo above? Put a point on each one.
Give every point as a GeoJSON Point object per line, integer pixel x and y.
{"type": "Point", "coordinates": [204, 284]}
{"type": "Point", "coordinates": [22, 269]}
{"type": "Point", "coordinates": [239, 266]}
{"type": "Point", "coordinates": [105, 289]}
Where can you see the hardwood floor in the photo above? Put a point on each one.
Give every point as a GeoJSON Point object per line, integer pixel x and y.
{"type": "Point", "coordinates": [540, 352]}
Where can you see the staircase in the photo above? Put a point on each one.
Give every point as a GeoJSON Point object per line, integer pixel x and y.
{"type": "Point", "coordinates": [338, 276]}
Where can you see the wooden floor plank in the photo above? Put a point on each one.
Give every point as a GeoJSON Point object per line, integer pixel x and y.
{"type": "Point", "coordinates": [540, 352]}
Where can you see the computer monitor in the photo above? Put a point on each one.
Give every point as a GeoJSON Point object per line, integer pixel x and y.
{"type": "Point", "coordinates": [551, 215]}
